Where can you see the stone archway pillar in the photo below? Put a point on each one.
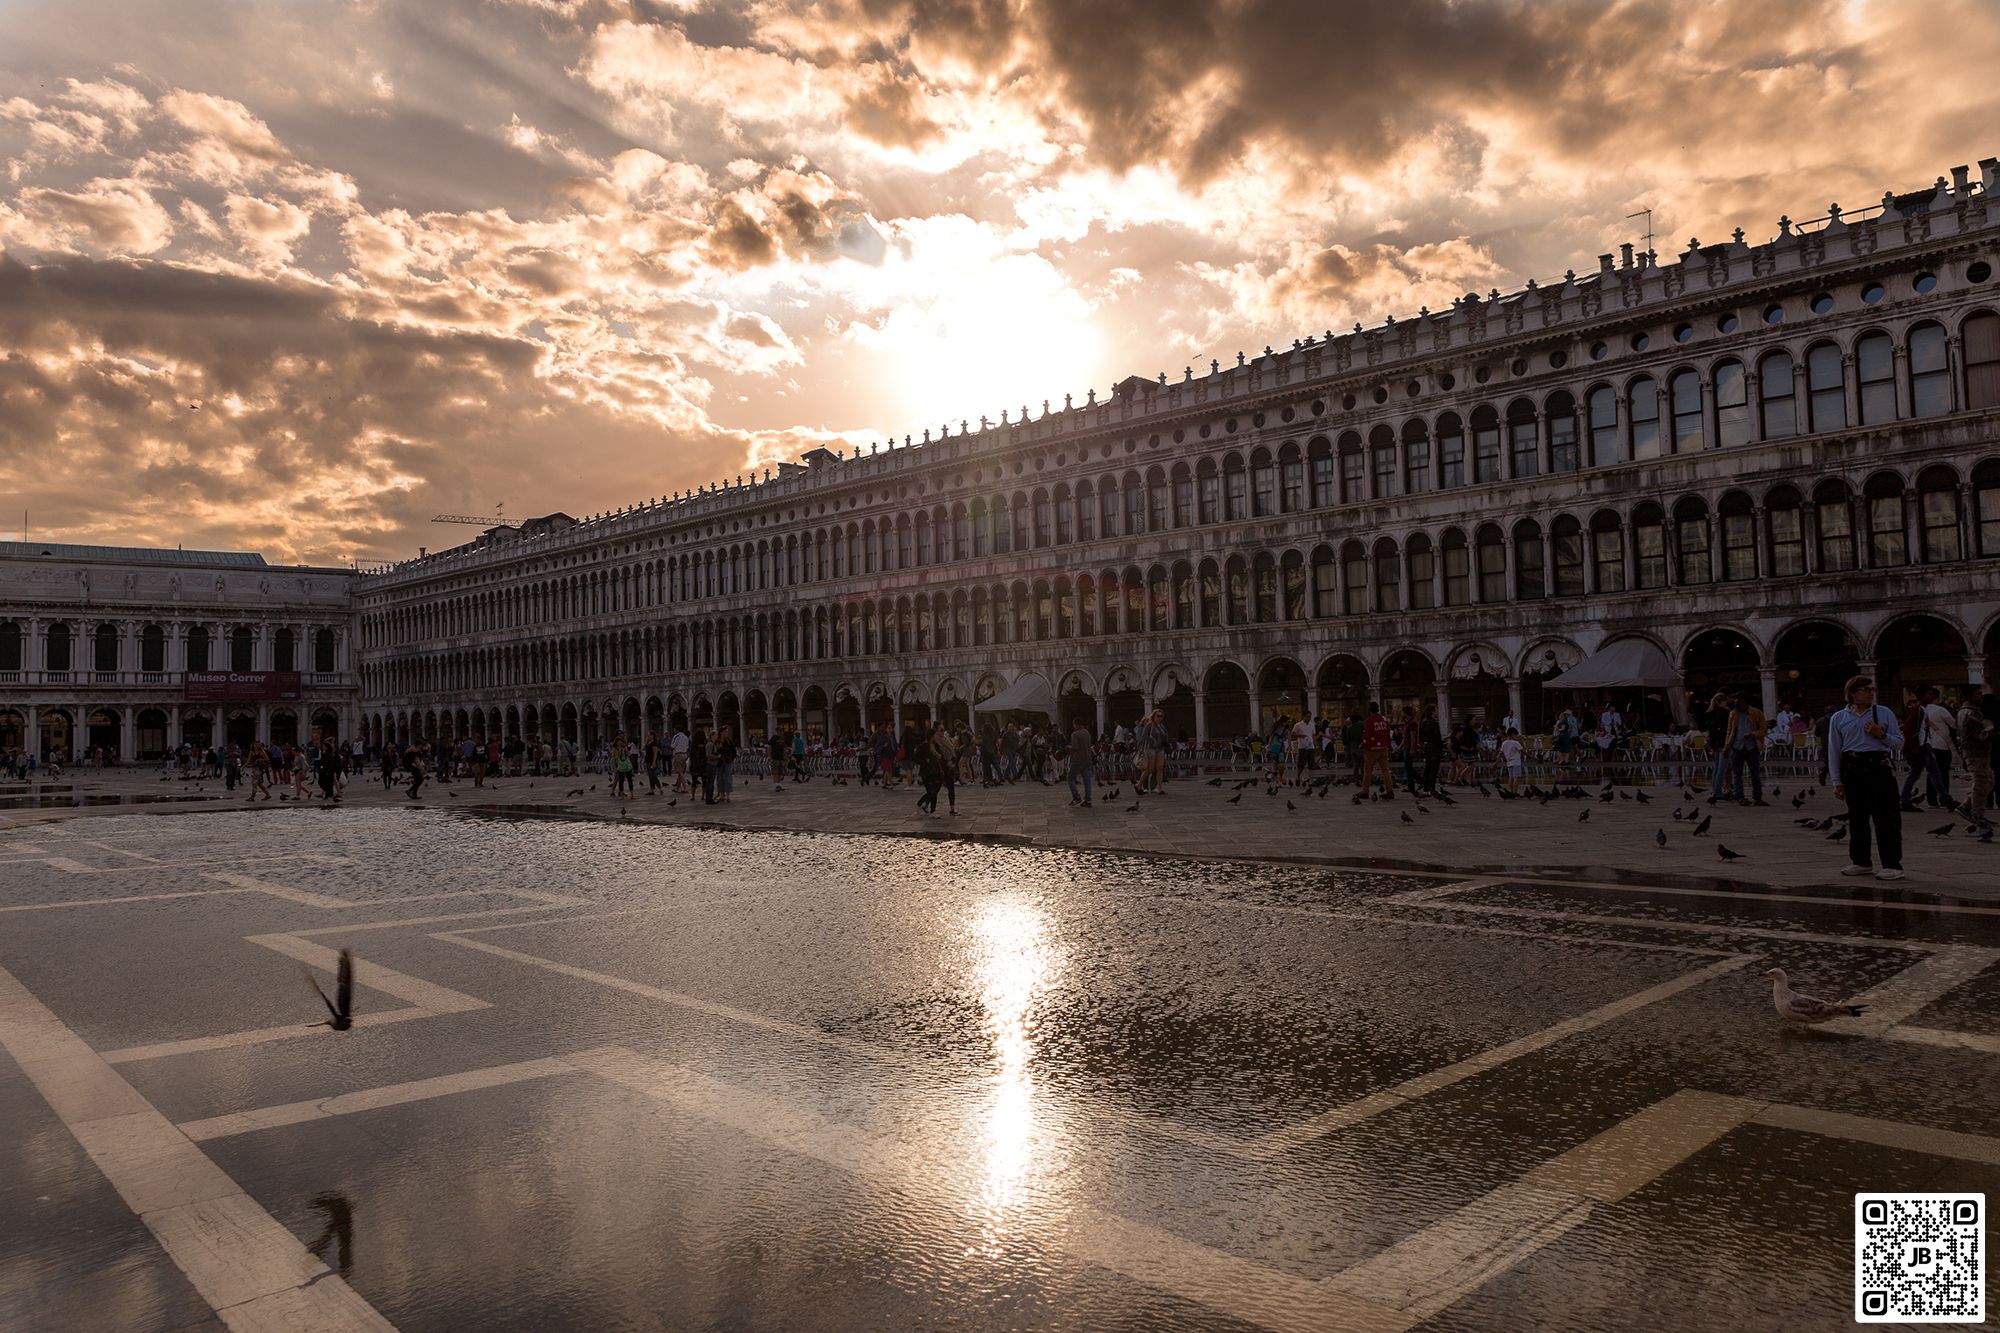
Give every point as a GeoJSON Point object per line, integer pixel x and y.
{"type": "Point", "coordinates": [1514, 699]}
{"type": "Point", "coordinates": [1256, 712]}
{"type": "Point", "coordinates": [1443, 688]}
{"type": "Point", "coordinates": [128, 740]}
{"type": "Point", "coordinates": [1200, 716]}
{"type": "Point", "coordinates": [1312, 702]}
{"type": "Point", "coordinates": [1103, 712]}
{"type": "Point", "coordinates": [1767, 678]}
{"type": "Point", "coordinates": [1975, 669]}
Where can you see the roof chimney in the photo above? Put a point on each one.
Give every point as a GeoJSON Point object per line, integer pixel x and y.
{"type": "Point", "coordinates": [1625, 254]}
{"type": "Point", "coordinates": [1989, 173]}
{"type": "Point", "coordinates": [1958, 180]}
{"type": "Point", "coordinates": [1604, 263]}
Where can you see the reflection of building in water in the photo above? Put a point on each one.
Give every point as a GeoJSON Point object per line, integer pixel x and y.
{"type": "Point", "coordinates": [137, 650]}
{"type": "Point", "coordinates": [1773, 463]}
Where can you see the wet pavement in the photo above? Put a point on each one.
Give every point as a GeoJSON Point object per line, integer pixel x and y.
{"type": "Point", "coordinates": [613, 1074]}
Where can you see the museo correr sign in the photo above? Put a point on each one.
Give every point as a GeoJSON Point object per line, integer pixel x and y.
{"type": "Point", "coordinates": [247, 686]}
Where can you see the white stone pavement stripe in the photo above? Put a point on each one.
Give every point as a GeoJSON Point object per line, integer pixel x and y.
{"type": "Point", "coordinates": [1858, 941]}
{"type": "Point", "coordinates": [394, 1094]}
{"type": "Point", "coordinates": [1439, 890]}
{"type": "Point", "coordinates": [1969, 1041]}
{"type": "Point", "coordinates": [278, 890]}
{"type": "Point", "coordinates": [1741, 895]}
{"type": "Point", "coordinates": [247, 1266]}
{"type": "Point", "coordinates": [127, 898]}
{"type": "Point", "coordinates": [424, 994]}
{"type": "Point", "coordinates": [344, 930]}
{"type": "Point", "coordinates": [255, 1036]}
{"type": "Point", "coordinates": [1353, 1113]}
{"type": "Point", "coordinates": [1915, 988]}
{"type": "Point", "coordinates": [1888, 1133]}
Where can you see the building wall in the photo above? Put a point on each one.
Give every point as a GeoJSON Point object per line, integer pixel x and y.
{"type": "Point", "coordinates": [1778, 463]}
{"type": "Point", "coordinates": [130, 619]}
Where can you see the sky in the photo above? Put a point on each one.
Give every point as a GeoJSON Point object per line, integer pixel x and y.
{"type": "Point", "coordinates": [297, 277]}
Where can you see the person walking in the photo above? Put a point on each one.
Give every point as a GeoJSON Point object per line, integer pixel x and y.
{"type": "Point", "coordinates": [699, 775]}
{"type": "Point", "coordinates": [1376, 738]}
{"type": "Point", "coordinates": [1862, 740]}
{"type": "Point", "coordinates": [1082, 765]}
{"type": "Point", "coordinates": [724, 767]}
{"type": "Point", "coordinates": [1715, 721]}
{"type": "Point", "coordinates": [1746, 750]}
{"type": "Point", "coordinates": [779, 750]}
{"type": "Point", "coordinates": [1975, 745]}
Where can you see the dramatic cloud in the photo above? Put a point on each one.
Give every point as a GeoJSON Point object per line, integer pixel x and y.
{"type": "Point", "coordinates": [301, 276]}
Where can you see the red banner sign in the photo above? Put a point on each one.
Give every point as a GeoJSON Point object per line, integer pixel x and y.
{"type": "Point", "coordinates": [241, 686]}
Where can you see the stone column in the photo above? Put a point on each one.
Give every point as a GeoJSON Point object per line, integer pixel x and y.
{"type": "Point", "coordinates": [1514, 699]}
{"type": "Point", "coordinates": [1711, 430]}
{"type": "Point", "coordinates": [263, 722]}
{"type": "Point", "coordinates": [1850, 390]}
{"type": "Point", "coordinates": [1312, 701]}
{"type": "Point", "coordinates": [128, 736]}
{"type": "Point", "coordinates": [1975, 669]}
{"type": "Point", "coordinates": [173, 727]}
{"type": "Point", "coordinates": [1200, 717]}
{"type": "Point", "coordinates": [1256, 711]}
{"type": "Point", "coordinates": [1898, 363]}
{"type": "Point", "coordinates": [1912, 531]}
{"type": "Point", "coordinates": [1767, 677]}
{"type": "Point", "coordinates": [1444, 703]}
{"type": "Point", "coordinates": [1103, 707]}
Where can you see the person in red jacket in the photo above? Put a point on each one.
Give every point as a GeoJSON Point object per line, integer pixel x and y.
{"type": "Point", "coordinates": [1375, 740]}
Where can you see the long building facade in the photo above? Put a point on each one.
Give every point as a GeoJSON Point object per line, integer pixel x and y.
{"type": "Point", "coordinates": [1776, 464]}
{"type": "Point", "coordinates": [131, 651]}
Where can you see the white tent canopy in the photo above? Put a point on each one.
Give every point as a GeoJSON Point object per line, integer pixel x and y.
{"type": "Point", "coordinates": [1622, 664]}
{"type": "Point", "coordinates": [1029, 694]}
{"type": "Point", "coordinates": [1626, 664]}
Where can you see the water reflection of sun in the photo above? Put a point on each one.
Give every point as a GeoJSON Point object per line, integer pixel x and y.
{"type": "Point", "coordinates": [1016, 962]}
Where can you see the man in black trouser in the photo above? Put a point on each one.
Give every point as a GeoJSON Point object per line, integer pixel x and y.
{"type": "Point", "coordinates": [1431, 738]}
{"type": "Point", "coordinates": [1862, 739]}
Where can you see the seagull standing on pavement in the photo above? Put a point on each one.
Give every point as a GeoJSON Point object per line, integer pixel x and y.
{"type": "Point", "coordinates": [1796, 1008]}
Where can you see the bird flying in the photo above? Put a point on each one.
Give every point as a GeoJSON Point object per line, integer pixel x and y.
{"type": "Point", "coordinates": [341, 1006]}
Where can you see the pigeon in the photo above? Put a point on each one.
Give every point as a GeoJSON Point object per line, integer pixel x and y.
{"type": "Point", "coordinates": [1624, 795]}
{"type": "Point", "coordinates": [593, 786]}
{"type": "Point", "coordinates": [1132, 809]}
{"type": "Point", "coordinates": [1406, 817]}
{"type": "Point", "coordinates": [1837, 834]}
{"type": "Point", "coordinates": [1482, 789]}
{"type": "Point", "coordinates": [341, 1006]}
{"type": "Point", "coordinates": [1659, 837]}
{"type": "Point", "coordinates": [1234, 799]}
{"type": "Point", "coordinates": [1290, 806]}
{"type": "Point", "coordinates": [621, 812]}
{"type": "Point", "coordinates": [1725, 854]}
{"type": "Point", "coordinates": [1642, 798]}
{"type": "Point", "coordinates": [574, 791]}
{"type": "Point", "coordinates": [1359, 797]}
{"type": "Point", "coordinates": [1583, 818]}
{"type": "Point", "coordinates": [1796, 1008]}
{"type": "Point", "coordinates": [671, 804]}
{"type": "Point", "coordinates": [1702, 827]}
{"type": "Point", "coordinates": [1215, 782]}
{"type": "Point", "coordinates": [452, 794]}
{"type": "Point", "coordinates": [1798, 800]}
{"type": "Point", "coordinates": [1423, 809]}
{"type": "Point", "coordinates": [1777, 791]}
{"type": "Point", "coordinates": [1607, 795]}
{"type": "Point", "coordinates": [1943, 831]}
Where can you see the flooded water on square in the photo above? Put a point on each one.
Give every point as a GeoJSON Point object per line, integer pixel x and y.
{"type": "Point", "coordinates": [821, 1081]}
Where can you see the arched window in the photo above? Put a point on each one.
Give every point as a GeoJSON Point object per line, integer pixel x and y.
{"type": "Point", "coordinates": [1606, 448]}
{"type": "Point", "coordinates": [1739, 537]}
{"type": "Point", "coordinates": [1319, 467]}
{"type": "Point", "coordinates": [1354, 574]}
{"type": "Point", "coordinates": [1416, 457]}
{"type": "Point", "coordinates": [242, 648]}
{"type": "Point", "coordinates": [197, 649]}
{"type": "Point", "coordinates": [1485, 445]}
{"type": "Point", "coordinates": [1325, 582]}
{"type": "Point", "coordinates": [1986, 506]}
{"type": "Point", "coordinates": [1238, 577]}
{"type": "Point", "coordinates": [1184, 586]}
{"type": "Point", "coordinates": [1607, 550]}
{"type": "Point", "coordinates": [1388, 576]}
{"type": "Point", "coordinates": [1353, 470]}
{"type": "Point", "coordinates": [1645, 396]}
{"type": "Point", "coordinates": [284, 651]}
{"type": "Point", "coordinates": [1691, 541]}
{"type": "Point", "coordinates": [1490, 555]}
{"type": "Point", "coordinates": [1263, 484]}
{"type": "Point", "coordinates": [1937, 512]}
{"type": "Point", "coordinates": [11, 647]}
{"type": "Point", "coordinates": [105, 648]}
{"type": "Point", "coordinates": [1566, 545]}
{"type": "Point", "coordinates": [1183, 496]}
{"type": "Point", "coordinates": [1523, 442]}
{"type": "Point", "coordinates": [1086, 512]}
{"type": "Point", "coordinates": [1024, 532]}
{"type": "Point", "coordinates": [1826, 389]}
{"type": "Point", "coordinates": [58, 647]}
{"type": "Point", "coordinates": [1045, 520]}
{"type": "Point", "coordinates": [1157, 498]}
{"type": "Point", "coordinates": [1833, 523]}
{"type": "Point", "coordinates": [152, 649]}
{"type": "Point", "coordinates": [1684, 393]}
{"type": "Point", "coordinates": [1065, 516]}
{"type": "Point", "coordinates": [323, 649]}
{"type": "Point", "coordinates": [1107, 507]}
{"type": "Point", "coordinates": [1292, 583]}
{"type": "Point", "coordinates": [1888, 543]}
{"type": "Point", "coordinates": [1785, 518]}
{"type": "Point", "coordinates": [1208, 492]}
{"type": "Point", "coordinates": [1981, 337]}
{"type": "Point", "coordinates": [1423, 573]}
{"type": "Point", "coordinates": [1777, 394]}
{"type": "Point", "coordinates": [1649, 546]}
{"type": "Point", "coordinates": [1732, 405]}
{"type": "Point", "coordinates": [1383, 461]}
{"type": "Point", "coordinates": [1211, 593]}
{"type": "Point", "coordinates": [1875, 370]}
{"type": "Point", "coordinates": [1564, 455]}
{"type": "Point", "coordinates": [1265, 585]}
{"type": "Point", "coordinates": [1291, 479]}
{"type": "Point", "coordinates": [1450, 451]}
{"type": "Point", "coordinates": [1235, 489]}
{"type": "Point", "coordinates": [1930, 372]}
{"type": "Point", "coordinates": [961, 532]}
{"type": "Point", "coordinates": [1529, 583]}
{"type": "Point", "coordinates": [1457, 569]}
{"type": "Point", "coordinates": [905, 551]}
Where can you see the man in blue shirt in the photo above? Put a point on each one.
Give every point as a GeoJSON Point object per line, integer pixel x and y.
{"type": "Point", "coordinates": [1861, 742]}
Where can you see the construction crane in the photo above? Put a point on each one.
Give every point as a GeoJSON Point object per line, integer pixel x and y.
{"type": "Point", "coordinates": [474, 520]}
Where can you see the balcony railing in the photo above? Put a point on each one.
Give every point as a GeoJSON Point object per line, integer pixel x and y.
{"type": "Point", "coordinates": [156, 680]}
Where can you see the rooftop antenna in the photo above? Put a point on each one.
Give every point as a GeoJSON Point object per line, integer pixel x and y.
{"type": "Point", "coordinates": [499, 518]}
{"type": "Point", "coordinates": [1647, 214]}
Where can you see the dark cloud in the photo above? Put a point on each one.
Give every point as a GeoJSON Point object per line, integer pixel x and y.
{"type": "Point", "coordinates": [890, 111]}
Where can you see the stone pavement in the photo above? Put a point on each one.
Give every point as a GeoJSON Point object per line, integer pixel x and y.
{"type": "Point", "coordinates": [1475, 835]}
